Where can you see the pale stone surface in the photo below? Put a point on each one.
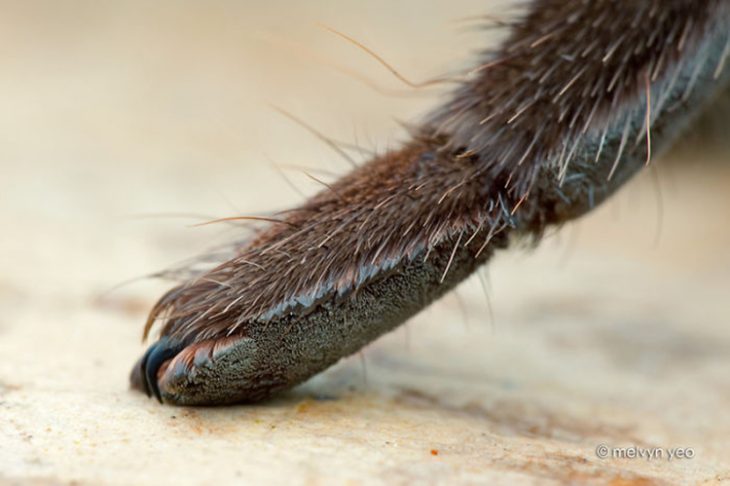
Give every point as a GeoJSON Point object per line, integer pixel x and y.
{"type": "Point", "coordinates": [607, 334]}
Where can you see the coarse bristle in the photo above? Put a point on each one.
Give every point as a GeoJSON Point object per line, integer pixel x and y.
{"type": "Point", "coordinates": [567, 72]}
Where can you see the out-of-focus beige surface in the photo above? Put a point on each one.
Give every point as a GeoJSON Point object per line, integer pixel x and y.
{"type": "Point", "coordinates": [122, 124]}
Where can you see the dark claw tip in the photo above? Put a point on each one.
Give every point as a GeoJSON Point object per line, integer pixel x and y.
{"type": "Point", "coordinates": [144, 373]}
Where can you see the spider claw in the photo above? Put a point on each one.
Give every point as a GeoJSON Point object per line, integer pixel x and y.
{"type": "Point", "coordinates": [157, 354]}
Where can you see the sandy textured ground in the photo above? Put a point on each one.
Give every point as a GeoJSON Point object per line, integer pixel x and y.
{"type": "Point", "coordinates": [124, 124]}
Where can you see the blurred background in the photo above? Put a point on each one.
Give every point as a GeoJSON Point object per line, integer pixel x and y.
{"type": "Point", "coordinates": [124, 124]}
